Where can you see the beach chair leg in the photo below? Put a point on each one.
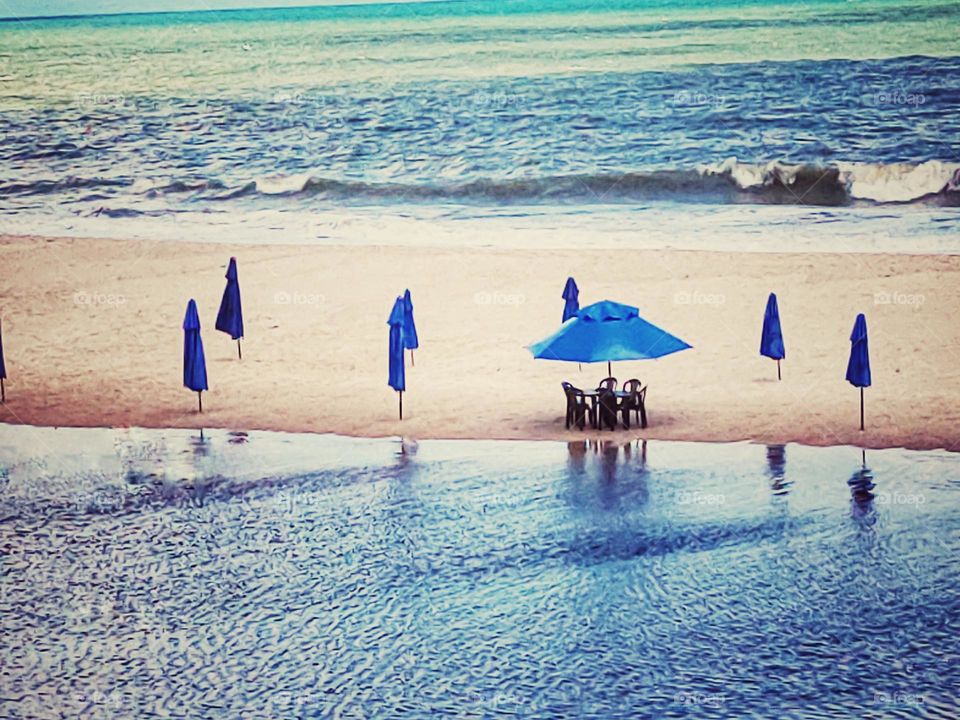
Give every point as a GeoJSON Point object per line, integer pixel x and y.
{"type": "Point", "coordinates": [643, 416]}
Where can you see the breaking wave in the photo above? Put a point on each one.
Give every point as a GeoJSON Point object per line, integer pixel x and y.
{"type": "Point", "coordinates": [730, 181]}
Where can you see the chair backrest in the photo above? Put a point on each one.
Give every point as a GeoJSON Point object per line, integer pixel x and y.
{"type": "Point", "coordinates": [569, 389]}
{"type": "Point", "coordinates": [609, 383]}
{"type": "Point", "coordinates": [631, 386]}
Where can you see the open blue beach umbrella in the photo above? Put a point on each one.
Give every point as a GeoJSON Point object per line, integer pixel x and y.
{"type": "Point", "coordinates": [858, 367]}
{"type": "Point", "coordinates": [397, 379]}
{"type": "Point", "coordinates": [194, 363]}
{"type": "Point", "coordinates": [607, 331]}
{"type": "Point", "coordinates": [410, 340]}
{"type": "Point", "coordinates": [771, 337]}
{"type": "Point", "coordinates": [3, 369]}
{"type": "Point", "coordinates": [571, 297]}
{"type": "Point", "coordinates": [230, 317]}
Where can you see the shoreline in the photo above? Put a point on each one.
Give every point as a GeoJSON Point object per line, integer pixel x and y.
{"type": "Point", "coordinates": [620, 438]}
{"type": "Point", "coordinates": [413, 245]}
{"type": "Point", "coordinates": [610, 228]}
{"type": "Point", "coordinates": [92, 339]}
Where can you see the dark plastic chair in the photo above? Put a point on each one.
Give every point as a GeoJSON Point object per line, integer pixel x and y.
{"type": "Point", "coordinates": [636, 401]}
{"type": "Point", "coordinates": [578, 409]}
{"type": "Point", "coordinates": [607, 406]}
{"type": "Point", "coordinates": [629, 402]}
{"type": "Point", "coordinates": [609, 383]}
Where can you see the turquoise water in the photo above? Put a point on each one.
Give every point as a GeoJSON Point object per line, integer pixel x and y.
{"type": "Point", "coordinates": [158, 573]}
{"type": "Point", "coordinates": [613, 121]}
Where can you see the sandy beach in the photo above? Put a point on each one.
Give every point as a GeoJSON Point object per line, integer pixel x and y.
{"type": "Point", "coordinates": [92, 338]}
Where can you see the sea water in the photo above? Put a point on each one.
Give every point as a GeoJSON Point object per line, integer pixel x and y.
{"type": "Point", "coordinates": [636, 123]}
{"type": "Point", "coordinates": [230, 574]}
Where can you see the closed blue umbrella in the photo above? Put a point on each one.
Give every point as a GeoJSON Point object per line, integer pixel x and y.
{"type": "Point", "coordinates": [410, 340]}
{"type": "Point", "coordinates": [771, 337]}
{"type": "Point", "coordinates": [571, 296]}
{"type": "Point", "coordinates": [607, 331]}
{"type": "Point", "coordinates": [397, 378]}
{"type": "Point", "coordinates": [858, 367]}
{"type": "Point", "coordinates": [194, 363]}
{"type": "Point", "coordinates": [230, 317]}
{"type": "Point", "coordinates": [3, 370]}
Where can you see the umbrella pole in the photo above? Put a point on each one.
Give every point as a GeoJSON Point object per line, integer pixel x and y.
{"type": "Point", "coordinates": [239, 352]}
{"type": "Point", "coordinates": [412, 363]}
{"type": "Point", "coordinates": [778, 369]}
{"type": "Point", "coordinates": [401, 404]}
{"type": "Point", "coordinates": [609, 371]}
{"type": "Point", "coordinates": [200, 399]}
{"type": "Point", "coordinates": [861, 409]}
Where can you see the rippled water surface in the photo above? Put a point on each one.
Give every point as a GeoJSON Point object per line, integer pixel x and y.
{"type": "Point", "coordinates": [155, 573]}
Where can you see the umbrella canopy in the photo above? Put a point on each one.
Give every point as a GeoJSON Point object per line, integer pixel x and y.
{"type": "Point", "coordinates": [858, 368]}
{"type": "Point", "coordinates": [410, 341]}
{"type": "Point", "coordinates": [194, 363]}
{"type": "Point", "coordinates": [397, 379]}
{"type": "Point", "coordinates": [230, 317]}
{"type": "Point", "coordinates": [607, 331]}
{"type": "Point", "coordinates": [571, 295]}
{"type": "Point", "coordinates": [771, 337]}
